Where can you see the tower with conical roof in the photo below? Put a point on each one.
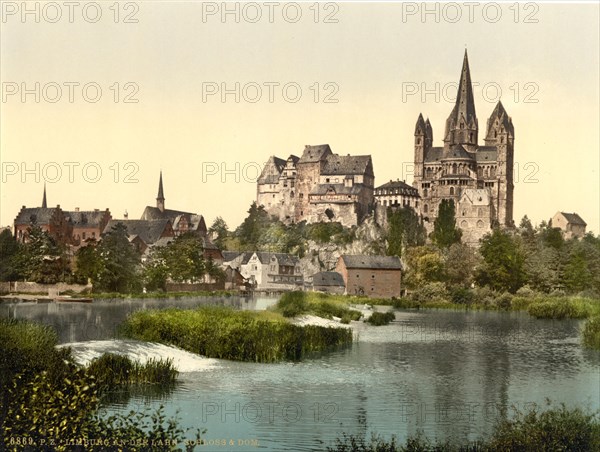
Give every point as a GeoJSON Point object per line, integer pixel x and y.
{"type": "Point", "coordinates": [461, 125]}
{"type": "Point", "coordinates": [160, 198]}
{"type": "Point", "coordinates": [44, 203]}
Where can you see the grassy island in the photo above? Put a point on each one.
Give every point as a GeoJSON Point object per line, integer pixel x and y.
{"type": "Point", "coordinates": [225, 333]}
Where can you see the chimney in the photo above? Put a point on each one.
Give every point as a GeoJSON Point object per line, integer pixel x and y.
{"type": "Point", "coordinates": [96, 210]}
{"type": "Point", "coordinates": [76, 209]}
{"type": "Point", "coordinates": [126, 215]}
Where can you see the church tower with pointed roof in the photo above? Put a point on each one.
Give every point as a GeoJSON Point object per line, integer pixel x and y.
{"type": "Point", "coordinates": [160, 198]}
{"type": "Point", "coordinates": [479, 179]}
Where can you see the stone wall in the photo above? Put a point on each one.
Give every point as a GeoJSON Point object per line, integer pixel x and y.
{"type": "Point", "coordinates": [35, 288]}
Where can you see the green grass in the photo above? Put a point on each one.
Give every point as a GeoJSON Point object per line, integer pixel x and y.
{"type": "Point", "coordinates": [111, 370]}
{"type": "Point", "coordinates": [564, 308]}
{"type": "Point", "coordinates": [217, 332]}
{"type": "Point", "coordinates": [293, 304]}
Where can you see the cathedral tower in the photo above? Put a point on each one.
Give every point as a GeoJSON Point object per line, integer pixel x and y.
{"type": "Point", "coordinates": [461, 125]}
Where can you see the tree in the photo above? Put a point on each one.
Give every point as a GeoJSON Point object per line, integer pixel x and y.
{"type": "Point", "coordinates": [41, 260]}
{"type": "Point", "coordinates": [503, 262]}
{"type": "Point", "coordinates": [182, 260]}
{"type": "Point", "coordinates": [88, 264]}
{"type": "Point", "coordinates": [120, 262]}
{"type": "Point", "coordinates": [219, 231]}
{"type": "Point", "coordinates": [460, 262]}
{"type": "Point", "coordinates": [249, 232]}
{"type": "Point", "coordinates": [425, 264]}
{"type": "Point", "coordinates": [445, 232]}
{"type": "Point", "coordinates": [405, 229]}
{"type": "Point", "coordinates": [9, 253]}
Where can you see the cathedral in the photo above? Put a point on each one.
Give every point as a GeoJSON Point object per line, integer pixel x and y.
{"type": "Point", "coordinates": [478, 178]}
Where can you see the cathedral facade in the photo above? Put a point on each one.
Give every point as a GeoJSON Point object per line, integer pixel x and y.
{"type": "Point", "coordinates": [478, 178]}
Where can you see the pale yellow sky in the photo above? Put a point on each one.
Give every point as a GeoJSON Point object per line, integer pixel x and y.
{"type": "Point", "coordinates": [383, 63]}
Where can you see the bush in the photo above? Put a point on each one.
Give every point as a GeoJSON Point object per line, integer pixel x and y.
{"type": "Point", "coordinates": [504, 301]}
{"type": "Point", "coordinates": [462, 295]}
{"type": "Point", "coordinates": [430, 293]}
{"type": "Point", "coordinates": [557, 429]}
{"type": "Point", "coordinates": [46, 398]}
{"type": "Point", "coordinates": [381, 318]}
{"type": "Point", "coordinates": [293, 304]}
{"type": "Point", "coordinates": [526, 292]}
{"type": "Point", "coordinates": [551, 430]}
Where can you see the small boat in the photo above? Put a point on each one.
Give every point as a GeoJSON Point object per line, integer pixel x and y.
{"type": "Point", "coordinates": [68, 298]}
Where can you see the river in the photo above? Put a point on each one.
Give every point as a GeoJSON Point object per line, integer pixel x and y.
{"type": "Point", "coordinates": [448, 374]}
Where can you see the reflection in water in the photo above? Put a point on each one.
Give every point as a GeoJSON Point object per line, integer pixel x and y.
{"type": "Point", "coordinates": [449, 374]}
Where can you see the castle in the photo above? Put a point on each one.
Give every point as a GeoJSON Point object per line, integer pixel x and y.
{"type": "Point", "coordinates": [319, 186]}
{"type": "Point", "coordinates": [479, 179]}
{"type": "Point", "coordinates": [323, 186]}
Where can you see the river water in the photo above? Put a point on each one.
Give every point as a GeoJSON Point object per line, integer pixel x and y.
{"type": "Point", "coordinates": [448, 374]}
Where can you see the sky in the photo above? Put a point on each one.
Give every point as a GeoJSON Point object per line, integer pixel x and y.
{"type": "Point", "coordinates": [99, 97]}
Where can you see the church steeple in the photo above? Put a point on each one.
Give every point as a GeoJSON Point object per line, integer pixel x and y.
{"type": "Point", "coordinates": [44, 203]}
{"type": "Point", "coordinates": [461, 125]}
{"type": "Point", "coordinates": [160, 199]}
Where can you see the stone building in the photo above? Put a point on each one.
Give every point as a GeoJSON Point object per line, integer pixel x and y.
{"type": "Point", "coordinates": [328, 282]}
{"type": "Point", "coordinates": [318, 186]}
{"type": "Point", "coordinates": [397, 194]}
{"type": "Point", "coordinates": [571, 224]}
{"type": "Point", "coordinates": [181, 221]}
{"type": "Point", "coordinates": [53, 220]}
{"type": "Point", "coordinates": [461, 165]}
{"type": "Point", "coordinates": [374, 276]}
{"type": "Point", "coordinates": [88, 224]}
{"type": "Point", "coordinates": [267, 271]}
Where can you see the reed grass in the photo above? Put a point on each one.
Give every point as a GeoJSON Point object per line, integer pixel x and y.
{"type": "Point", "coordinates": [591, 332]}
{"type": "Point", "coordinates": [110, 370]}
{"type": "Point", "coordinates": [219, 332]}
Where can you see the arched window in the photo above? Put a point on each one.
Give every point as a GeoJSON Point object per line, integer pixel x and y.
{"type": "Point", "coordinates": [451, 191]}
{"type": "Point", "coordinates": [454, 167]}
{"type": "Point", "coordinates": [425, 191]}
{"type": "Point", "coordinates": [464, 224]}
{"type": "Point", "coordinates": [425, 208]}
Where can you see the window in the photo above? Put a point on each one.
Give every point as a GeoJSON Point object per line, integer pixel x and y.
{"type": "Point", "coordinates": [83, 235]}
{"type": "Point", "coordinates": [425, 208]}
{"type": "Point", "coordinates": [451, 190]}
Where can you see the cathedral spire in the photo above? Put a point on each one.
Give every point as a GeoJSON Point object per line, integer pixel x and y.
{"type": "Point", "coordinates": [160, 199]}
{"type": "Point", "coordinates": [461, 125]}
{"type": "Point", "coordinates": [44, 203]}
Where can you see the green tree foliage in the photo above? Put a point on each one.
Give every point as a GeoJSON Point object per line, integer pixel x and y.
{"type": "Point", "coordinates": [9, 253]}
{"type": "Point", "coordinates": [181, 261]}
{"type": "Point", "coordinates": [219, 231]}
{"type": "Point", "coordinates": [88, 264]}
{"type": "Point", "coordinates": [445, 232]}
{"type": "Point", "coordinates": [460, 263]}
{"type": "Point", "coordinates": [405, 229]}
{"type": "Point", "coordinates": [250, 231]}
{"type": "Point", "coordinates": [41, 260]}
{"type": "Point", "coordinates": [120, 262]}
{"type": "Point", "coordinates": [503, 262]}
{"type": "Point", "coordinates": [425, 264]}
